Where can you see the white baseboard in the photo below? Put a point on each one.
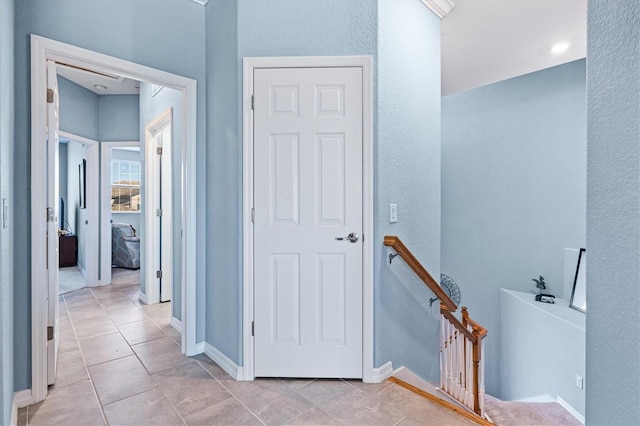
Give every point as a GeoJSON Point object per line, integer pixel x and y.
{"type": "Point", "coordinates": [14, 412]}
{"type": "Point", "coordinates": [200, 347]}
{"type": "Point", "coordinates": [20, 399]}
{"type": "Point", "coordinates": [143, 298]}
{"type": "Point", "coordinates": [23, 398]}
{"type": "Point", "coordinates": [382, 373]}
{"type": "Point", "coordinates": [177, 324]}
{"type": "Point", "coordinates": [579, 417]}
{"type": "Point", "coordinates": [82, 271]}
{"type": "Point", "coordinates": [543, 397]}
{"type": "Point", "coordinates": [224, 362]}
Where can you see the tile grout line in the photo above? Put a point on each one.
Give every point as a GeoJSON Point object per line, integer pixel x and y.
{"type": "Point", "coordinates": [134, 353]}
{"type": "Point", "coordinates": [73, 328]}
{"type": "Point", "coordinates": [128, 344]}
{"type": "Point", "coordinates": [231, 393]}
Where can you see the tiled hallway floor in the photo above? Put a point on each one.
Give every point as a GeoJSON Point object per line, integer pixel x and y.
{"type": "Point", "coordinates": [120, 364]}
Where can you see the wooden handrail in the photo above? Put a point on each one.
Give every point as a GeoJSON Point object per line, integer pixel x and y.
{"type": "Point", "coordinates": [477, 328]}
{"type": "Point", "coordinates": [463, 363]}
{"type": "Point", "coordinates": [456, 323]}
{"type": "Point", "coordinates": [396, 244]}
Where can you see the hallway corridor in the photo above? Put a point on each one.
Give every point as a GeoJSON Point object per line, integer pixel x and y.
{"type": "Point", "coordinates": [120, 364]}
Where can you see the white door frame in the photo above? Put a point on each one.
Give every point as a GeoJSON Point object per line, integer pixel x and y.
{"type": "Point", "coordinates": [249, 64]}
{"type": "Point", "coordinates": [105, 212]}
{"type": "Point", "coordinates": [93, 160]}
{"type": "Point", "coordinates": [153, 247]}
{"type": "Point", "coordinates": [43, 49]}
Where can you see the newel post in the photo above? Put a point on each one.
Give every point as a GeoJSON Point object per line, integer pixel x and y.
{"type": "Point", "coordinates": [476, 365]}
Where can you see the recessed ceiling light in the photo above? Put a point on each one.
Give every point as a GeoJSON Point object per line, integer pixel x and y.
{"type": "Point", "coordinates": [100, 87]}
{"type": "Point", "coordinates": [559, 47]}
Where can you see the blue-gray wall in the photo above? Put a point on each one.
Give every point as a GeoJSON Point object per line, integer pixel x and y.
{"type": "Point", "coordinates": [79, 115]}
{"type": "Point", "coordinates": [78, 109]}
{"type": "Point", "coordinates": [407, 172]}
{"type": "Point", "coordinates": [237, 29]}
{"type": "Point", "coordinates": [265, 28]}
{"type": "Point", "coordinates": [613, 213]}
{"type": "Point", "coordinates": [513, 190]}
{"type": "Point", "coordinates": [151, 107]}
{"type": "Point", "coordinates": [6, 193]}
{"type": "Point", "coordinates": [223, 296]}
{"type": "Point", "coordinates": [167, 35]}
{"type": "Point", "coordinates": [549, 338]}
{"type": "Point", "coordinates": [118, 118]}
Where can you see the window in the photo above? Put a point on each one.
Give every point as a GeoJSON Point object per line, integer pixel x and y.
{"type": "Point", "coordinates": [125, 186]}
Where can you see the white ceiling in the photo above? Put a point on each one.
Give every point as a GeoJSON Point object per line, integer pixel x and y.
{"type": "Point", "coordinates": [486, 41]}
{"type": "Point", "coordinates": [483, 42]}
{"type": "Point", "coordinates": [113, 84]}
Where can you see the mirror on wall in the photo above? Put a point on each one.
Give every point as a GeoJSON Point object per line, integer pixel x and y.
{"type": "Point", "coordinates": [579, 293]}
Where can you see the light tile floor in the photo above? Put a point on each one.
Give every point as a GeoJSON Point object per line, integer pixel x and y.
{"type": "Point", "coordinates": [120, 364]}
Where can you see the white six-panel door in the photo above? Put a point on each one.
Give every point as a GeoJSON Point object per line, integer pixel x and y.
{"type": "Point", "coordinates": [308, 145]}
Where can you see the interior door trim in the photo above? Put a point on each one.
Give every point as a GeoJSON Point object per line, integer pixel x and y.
{"type": "Point", "coordinates": [246, 372]}
{"type": "Point", "coordinates": [41, 50]}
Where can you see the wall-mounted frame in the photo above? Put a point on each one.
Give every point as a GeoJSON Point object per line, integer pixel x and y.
{"type": "Point", "coordinates": [579, 293]}
{"type": "Point", "coordinates": [82, 179]}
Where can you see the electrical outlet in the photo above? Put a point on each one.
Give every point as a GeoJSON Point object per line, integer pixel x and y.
{"type": "Point", "coordinates": [579, 381]}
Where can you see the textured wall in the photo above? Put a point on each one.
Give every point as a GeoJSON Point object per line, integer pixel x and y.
{"type": "Point", "coordinates": [407, 172]}
{"type": "Point", "coordinates": [224, 180]}
{"type": "Point", "coordinates": [407, 164]}
{"type": "Point", "coordinates": [265, 28]}
{"type": "Point", "coordinates": [543, 349]}
{"type": "Point", "coordinates": [513, 189]}
{"type": "Point", "coordinates": [6, 192]}
{"type": "Point", "coordinates": [613, 213]}
{"type": "Point", "coordinates": [78, 109]}
{"type": "Point", "coordinates": [167, 35]}
{"type": "Point", "coordinates": [79, 116]}
{"type": "Point", "coordinates": [118, 118]}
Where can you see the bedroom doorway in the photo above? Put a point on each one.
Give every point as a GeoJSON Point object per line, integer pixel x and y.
{"type": "Point", "coordinates": [44, 51]}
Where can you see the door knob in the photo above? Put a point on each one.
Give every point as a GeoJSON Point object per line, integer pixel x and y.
{"type": "Point", "coordinates": [352, 238]}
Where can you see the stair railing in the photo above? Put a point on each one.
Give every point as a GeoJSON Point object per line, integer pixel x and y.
{"type": "Point", "coordinates": [461, 345]}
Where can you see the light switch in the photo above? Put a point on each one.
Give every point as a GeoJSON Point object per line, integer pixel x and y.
{"type": "Point", "coordinates": [5, 213]}
{"type": "Point", "coordinates": [393, 213]}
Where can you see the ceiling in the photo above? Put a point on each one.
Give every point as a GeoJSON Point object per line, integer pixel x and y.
{"type": "Point", "coordinates": [483, 42]}
{"type": "Point", "coordinates": [98, 83]}
{"type": "Point", "coordinates": [486, 41]}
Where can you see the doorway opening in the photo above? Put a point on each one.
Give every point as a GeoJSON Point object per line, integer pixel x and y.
{"type": "Point", "coordinates": [43, 152]}
{"type": "Point", "coordinates": [78, 212]}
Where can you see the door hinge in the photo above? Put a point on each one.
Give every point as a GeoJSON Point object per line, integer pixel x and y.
{"type": "Point", "coordinates": [253, 328]}
{"type": "Point", "coordinates": [253, 102]}
{"type": "Point", "coordinates": [50, 332]}
{"type": "Point", "coordinates": [253, 215]}
{"type": "Point", "coordinates": [49, 96]}
{"type": "Point", "coordinates": [159, 212]}
{"type": "Point", "coordinates": [159, 150]}
{"type": "Point", "coordinates": [158, 274]}
{"type": "Point", "coordinates": [49, 214]}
